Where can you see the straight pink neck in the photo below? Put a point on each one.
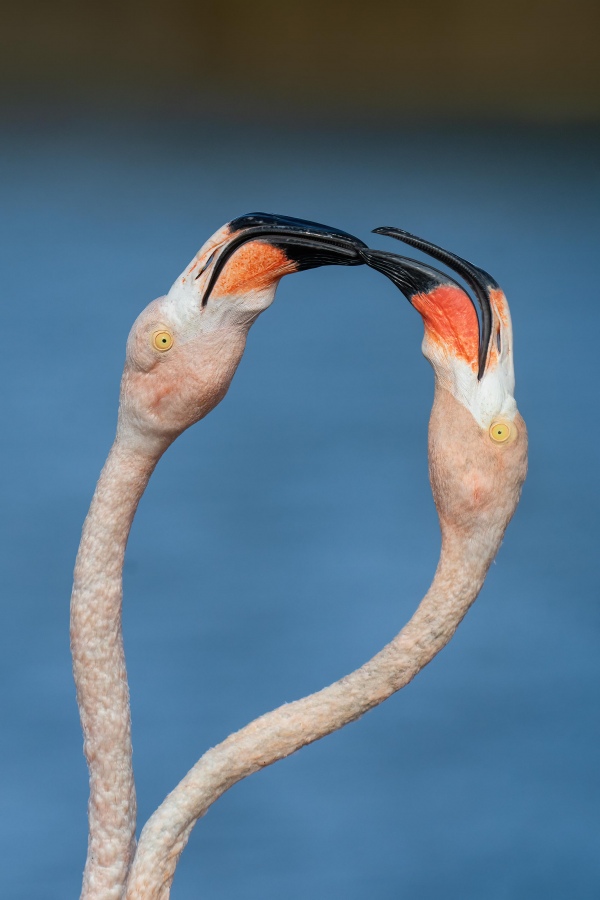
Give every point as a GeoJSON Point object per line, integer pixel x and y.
{"type": "Point", "coordinates": [100, 673]}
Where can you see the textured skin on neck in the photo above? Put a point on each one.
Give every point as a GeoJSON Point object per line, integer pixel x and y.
{"type": "Point", "coordinates": [476, 483]}
{"type": "Point", "coordinates": [100, 674]}
{"type": "Point", "coordinates": [476, 487]}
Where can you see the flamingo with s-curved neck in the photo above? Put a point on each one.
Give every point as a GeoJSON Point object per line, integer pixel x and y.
{"type": "Point", "coordinates": [178, 367]}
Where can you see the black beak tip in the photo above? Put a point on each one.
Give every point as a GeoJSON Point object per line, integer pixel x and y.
{"type": "Point", "coordinates": [306, 244]}
{"type": "Point", "coordinates": [410, 276]}
{"type": "Point", "coordinates": [292, 226]}
{"type": "Point", "coordinates": [310, 252]}
{"type": "Point", "coordinates": [390, 231]}
{"type": "Point", "coordinates": [480, 281]}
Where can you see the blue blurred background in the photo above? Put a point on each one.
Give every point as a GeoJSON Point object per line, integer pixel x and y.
{"type": "Point", "coordinates": [287, 537]}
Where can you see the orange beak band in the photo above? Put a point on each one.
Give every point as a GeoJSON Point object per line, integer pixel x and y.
{"type": "Point", "coordinates": [303, 244]}
{"type": "Point", "coordinates": [482, 284]}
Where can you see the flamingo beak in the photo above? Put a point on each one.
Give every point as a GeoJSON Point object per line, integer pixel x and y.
{"type": "Point", "coordinates": [482, 284]}
{"type": "Point", "coordinates": [291, 245]}
{"type": "Point", "coordinates": [448, 312]}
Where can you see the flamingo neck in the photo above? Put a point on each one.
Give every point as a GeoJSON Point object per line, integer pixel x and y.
{"type": "Point", "coordinates": [100, 673]}
{"type": "Point", "coordinates": [458, 579]}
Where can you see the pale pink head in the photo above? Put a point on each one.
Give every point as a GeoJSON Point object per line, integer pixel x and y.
{"type": "Point", "coordinates": [478, 440]}
{"type": "Point", "coordinates": [184, 348]}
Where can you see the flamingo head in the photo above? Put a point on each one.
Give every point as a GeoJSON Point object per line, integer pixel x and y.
{"type": "Point", "coordinates": [477, 438]}
{"type": "Point", "coordinates": [184, 348]}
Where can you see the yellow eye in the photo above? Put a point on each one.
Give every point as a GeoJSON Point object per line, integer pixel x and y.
{"type": "Point", "coordinates": [499, 432]}
{"type": "Point", "coordinates": [162, 340]}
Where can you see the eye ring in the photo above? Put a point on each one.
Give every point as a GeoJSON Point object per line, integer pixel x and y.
{"type": "Point", "coordinates": [162, 340]}
{"type": "Point", "coordinates": [500, 432]}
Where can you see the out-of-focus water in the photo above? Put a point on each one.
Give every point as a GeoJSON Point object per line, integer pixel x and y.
{"type": "Point", "coordinates": [287, 537]}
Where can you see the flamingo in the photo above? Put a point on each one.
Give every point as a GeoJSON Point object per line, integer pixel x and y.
{"type": "Point", "coordinates": [182, 353]}
{"type": "Point", "coordinates": [478, 462]}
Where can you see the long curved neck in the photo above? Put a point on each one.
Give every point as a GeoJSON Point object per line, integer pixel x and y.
{"type": "Point", "coordinates": [99, 670]}
{"type": "Point", "coordinates": [460, 574]}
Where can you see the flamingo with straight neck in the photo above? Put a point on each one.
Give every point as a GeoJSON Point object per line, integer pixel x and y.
{"type": "Point", "coordinates": [182, 353]}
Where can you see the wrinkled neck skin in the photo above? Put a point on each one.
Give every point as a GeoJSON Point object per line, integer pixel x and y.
{"type": "Point", "coordinates": [99, 670]}
{"type": "Point", "coordinates": [476, 486]}
{"type": "Point", "coordinates": [144, 432]}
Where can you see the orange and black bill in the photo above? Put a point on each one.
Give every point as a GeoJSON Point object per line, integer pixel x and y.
{"type": "Point", "coordinates": [305, 244]}
{"type": "Point", "coordinates": [416, 278]}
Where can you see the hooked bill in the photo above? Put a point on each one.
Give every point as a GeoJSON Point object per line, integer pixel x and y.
{"type": "Point", "coordinates": [472, 359]}
{"type": "Point", "coordinates": [491, 300]}
{"type": "Point", "coordinates": [448, 313]}
{"type": "Point", "coordinates": [279, 245]}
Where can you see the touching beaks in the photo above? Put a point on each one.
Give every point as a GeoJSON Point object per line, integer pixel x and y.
{"type": "Point", "coordinates": [452, 310]}
{"type": "Point", "coordinates": [300, 244]}
{"type": "Point", "coordinates": [409, 275]}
